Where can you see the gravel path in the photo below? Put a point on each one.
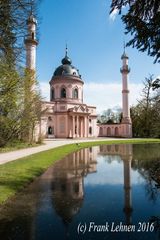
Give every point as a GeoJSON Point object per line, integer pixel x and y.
{"type": "Point", "coordinates": [48, 144]}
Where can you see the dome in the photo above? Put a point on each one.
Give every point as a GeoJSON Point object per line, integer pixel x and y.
{"type": "Point", "coordinates": [66, 69]}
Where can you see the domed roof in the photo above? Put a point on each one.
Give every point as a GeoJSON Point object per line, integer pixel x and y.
{"type": "Point", "coordinates": [66, 69]}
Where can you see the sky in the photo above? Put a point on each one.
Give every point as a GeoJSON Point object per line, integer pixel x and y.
{"type": "Point", "coordinates": [95, 42]}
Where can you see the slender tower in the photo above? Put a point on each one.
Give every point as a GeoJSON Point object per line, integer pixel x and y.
{"type": "Point", "coordinates": [126, 120]}
{"type": "Point", "coordinates": [31, 43]}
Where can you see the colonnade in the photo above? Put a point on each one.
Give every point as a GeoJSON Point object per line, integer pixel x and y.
{"type": "Point", "coordinates": [79, 126]}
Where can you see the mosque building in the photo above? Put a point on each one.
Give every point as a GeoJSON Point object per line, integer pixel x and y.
{"type": "Point", "coordinates": [66, 115]}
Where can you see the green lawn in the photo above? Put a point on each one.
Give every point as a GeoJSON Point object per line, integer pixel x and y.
{"type": "Point", "coordinates": [17, 145]}
{"type": "Point", "coordinates": [15, 175]}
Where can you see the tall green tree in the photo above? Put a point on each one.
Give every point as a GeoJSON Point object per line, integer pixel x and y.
{"type": "Point", "coordinates": [146, 114]}
{"type": "Point", "coordinates": [142, 21]}
{"type": "Point", "coordinates": [31, 111]}
{"type": "Point", "coordinates": [10, 98]}
{"type": "Point", "coordinates": [20, 104]}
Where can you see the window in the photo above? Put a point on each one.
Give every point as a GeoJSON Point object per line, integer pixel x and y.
{"type": "Point", "coordinates": [76, 187]}
{"type": "Point", "coordinates": [52, 94]}
{"type": "Point", "coordinates": [90, 130]}
{"type": "Point", "coordinates": [75, 93]}
{"type": "Point", "coordinates": [63, 187]}
{"type": "Point", "coordinates": [33, 35]}
{"type": "Point", "coordinates": [49, 118]}
{"type": "Point", "coordinates": [63, 93]}
{"type": "Point", "coordinates": [49, 130]}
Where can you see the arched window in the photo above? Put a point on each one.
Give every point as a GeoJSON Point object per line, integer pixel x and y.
{"type": "Point", "coordinates": [50, 130]}
{"type": "Point", "coordinates": [49, 118]}
{"type": "Point", "coordinates": [63, 93]}
{"type": "Point", "coordinates": [33, 35]}
{"type": "Point", "coordinates": [75, 93]}
{"type": "Point", "coordinates": [90, 130]}
{"type": "Point", "coordinates": [52, 94]}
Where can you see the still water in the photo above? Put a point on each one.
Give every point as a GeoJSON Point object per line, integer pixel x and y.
{"type": "Point", "coordinates": [103, 192]}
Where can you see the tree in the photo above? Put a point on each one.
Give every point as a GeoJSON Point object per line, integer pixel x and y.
{"type": "Point", "coordinates": [110, 116]}
{"type": "Point", "coordinates": [142, 21]}
{"type": "Point", "coordinates": [20, 104]}
{"type": "Point", "coordinates": [156, 84]}
{"type": "Point", "coordinates": [10, 92]}
{"type": "Point", "coordinates": [146, 114]}
{"type": "Point", "coordinates": [31, 111]}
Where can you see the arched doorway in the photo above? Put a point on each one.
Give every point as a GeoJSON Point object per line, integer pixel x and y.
{"type": "Point", "coordinates": [50, 130]}
{"type": "Point", "coordinates": [108, 131]}
{"type": "Point", "coordinates": [116, 131]}
{"type": "Point", "coordinates": [100, 131]}
{"type": "Point", "coordinates": [90, 130]}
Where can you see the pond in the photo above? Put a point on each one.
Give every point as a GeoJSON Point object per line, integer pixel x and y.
{"type": "Point", "coordinates": [102, 192]}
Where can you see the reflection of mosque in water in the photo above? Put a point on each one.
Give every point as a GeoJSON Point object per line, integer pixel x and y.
{"type": "Point", "coordinates": [62, 187]}
{"type": "Point", "coordinates": [68, 187]}
{"type": "Point", "coordinates": [68, 179]}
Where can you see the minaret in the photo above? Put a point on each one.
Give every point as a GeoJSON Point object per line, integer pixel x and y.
{"type": "Point", "coordinates": [125, 92]}
{"type": "Point", "coordinates": [126, 120]}
{"type": "Point", "coordinates": [31, 43]}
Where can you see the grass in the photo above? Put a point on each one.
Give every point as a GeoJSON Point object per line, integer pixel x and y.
{"type": "Point", "coordinates": [16, 146]}
{"type": "Point", "coordinates": [15, 175]}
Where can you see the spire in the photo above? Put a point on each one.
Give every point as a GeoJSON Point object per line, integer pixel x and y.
{"type": "Point", "coordinates": [66, 59]}
{"type": "Point", "coordinates": [124, 55]}
{"type": "Point", "coordinates": [31, 13]}
{"type": "Point", "coordinates": [124, 45]}
{"type": "Point", "coordinates": [66, 50]}
{"type": "Point", "coordinates": [31, 18]}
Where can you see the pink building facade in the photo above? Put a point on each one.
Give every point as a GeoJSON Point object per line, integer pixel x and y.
{"type": "Point", "coordinates": [66, 115]}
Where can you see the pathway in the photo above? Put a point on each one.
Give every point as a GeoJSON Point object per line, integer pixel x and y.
{"type": "Point", "coordinates": [48, 144]}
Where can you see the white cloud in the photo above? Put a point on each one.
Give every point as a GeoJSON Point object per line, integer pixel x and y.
{"type": "Point", "coordinates": [45, 90]}
{"type": "Point", "coordinates": [102, 95]}
{"type": "Point", "coordinates": [108, 95]}
{"type": "Point", "coordinates": [113, 14]}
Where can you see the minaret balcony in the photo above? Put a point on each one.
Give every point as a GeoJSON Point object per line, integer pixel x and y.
{"type": "Point", "coordinates": [31, 41]}
{"type": "Point", "coordinates": [125, 69]}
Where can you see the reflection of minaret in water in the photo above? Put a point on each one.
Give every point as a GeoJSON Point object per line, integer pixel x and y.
{"type": "Point", "coordinates": [68, 184]}
{"type": "Point", "coordinates": [127, 185]}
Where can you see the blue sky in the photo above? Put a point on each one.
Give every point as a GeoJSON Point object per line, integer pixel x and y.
{"type": "Point", "coordinates": [95, 45]}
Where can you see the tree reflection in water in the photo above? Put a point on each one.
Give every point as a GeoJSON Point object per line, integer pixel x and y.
{"type": "Point", "coordinates": [146, 159]}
